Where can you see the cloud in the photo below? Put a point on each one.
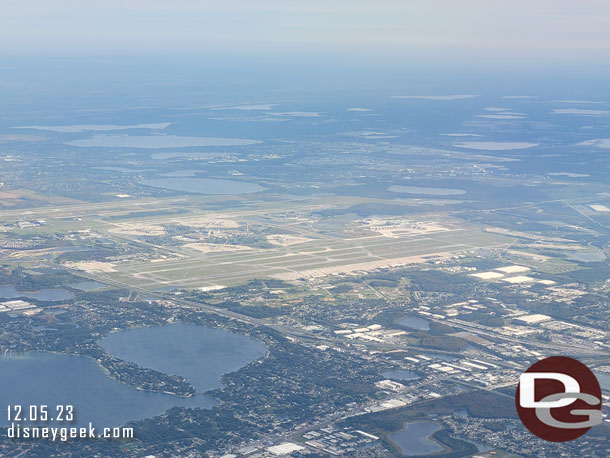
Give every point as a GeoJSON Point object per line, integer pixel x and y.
{"type": "Point", "coordinates": [263, 106]}
{"type": "Point", "coordinates": [576, 111]}
{"type": "Point", "coordinates": [599, 143]}
{"type": "Point", "coordinates": [491, 26]}
{"type": "Point", "coordinates": [461, 135]}
{"type": "Point", "coordinates": [96, 127]}
{"type": "Point", "coordinates": [298, 114]}
{"type": "Point", "coordinates": [504, 115]}
{"type": "Point", "coordinates": [495, 146]}
{"type": "Point", "coordinates": [580, 102]}
{"type": "Point", "coordinates": [435, 97]}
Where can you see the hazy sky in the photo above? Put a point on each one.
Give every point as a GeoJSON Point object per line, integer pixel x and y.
{"type": "Point", "coordinates": [478, 27]}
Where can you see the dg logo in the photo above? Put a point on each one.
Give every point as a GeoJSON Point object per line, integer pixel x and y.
{"type": "Point", "coordinates": [559, 399]}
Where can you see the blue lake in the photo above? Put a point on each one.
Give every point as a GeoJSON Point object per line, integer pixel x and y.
{"type": "Point", "coordinates": [414, 438]}
{"type": "Point", "coordinates": [200, 354]}
{"type": "Point", "coordinates": [52, 295]}
{"type": "Point", "coordinates": [51, 379]}
{"type": "Point", "coordinates": [204, 185]}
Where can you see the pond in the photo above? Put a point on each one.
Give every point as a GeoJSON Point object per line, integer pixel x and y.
{"type": "Point", "coordinates": [414, 438]}
{"type": "Point", "coordinates": [88, 285]}
{"type": "Point", "coordinates": [51, 295]}
{"type": "Point", "coordinates": [416, 323]}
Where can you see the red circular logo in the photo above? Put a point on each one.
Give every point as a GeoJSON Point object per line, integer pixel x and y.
{"type": "Point", "coordinates": [559, 399]}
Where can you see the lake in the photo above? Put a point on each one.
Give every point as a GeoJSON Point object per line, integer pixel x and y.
{"type": "Point", "coordinates": [41, 378]}
{"type": "Point", "coordinates": [204, 185]}
{"type": "Point", "coordinates": [51, 295]}
{"type": "Point", "coordinates": [414, 438]}
{"type": "Point", "coordinates": [87, 285]}
{"type": "Point", "coordinates": [426, 190]}
{"type": "Point", "coordinates": [158, 141]}
{"type": "Point", "coordinates": [200, 354]}
{"type": "Point", "coordinates": [412, 322]}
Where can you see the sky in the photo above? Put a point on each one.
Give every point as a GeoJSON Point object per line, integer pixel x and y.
{"type": "Point", "coordinates": [562, 29]}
